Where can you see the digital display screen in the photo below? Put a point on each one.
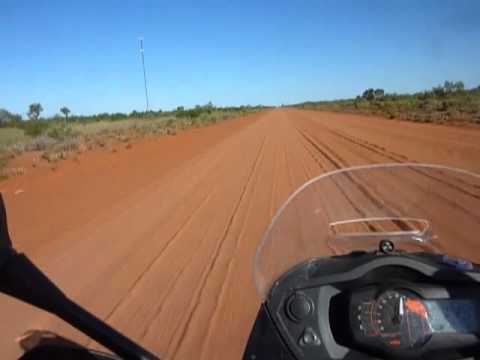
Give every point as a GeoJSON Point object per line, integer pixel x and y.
{"type": "Point", "coordinates": [454, 316]}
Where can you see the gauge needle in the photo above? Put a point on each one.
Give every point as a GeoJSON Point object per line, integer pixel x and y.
{"type": "Point", "coordinates": [400, 308]}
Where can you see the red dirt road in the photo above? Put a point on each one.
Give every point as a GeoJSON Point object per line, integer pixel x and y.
{"type": "Point", "coordinates": [159, 239]}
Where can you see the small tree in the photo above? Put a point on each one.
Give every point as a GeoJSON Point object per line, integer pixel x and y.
{"type": "Point", "coordinates": [368, 94]}
{"type": "Point", "coordinates": [6, 117]}
{"type": "Point", "coordinates": [459, 86]}
{"type": "Point", "coordinates": [34, 111]}
{"type": "Point", "coordinates": [379, 94]}
{"type": "Point", "coordinates": [449, 86]}
{"type": "Point", "coordinates": [355, 102]}
{"type": "Point", "coordinates": [65, 111]}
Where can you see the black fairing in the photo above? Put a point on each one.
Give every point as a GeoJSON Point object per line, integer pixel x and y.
{"type": "Point", "coordinates": [307, 312]}
{"type": "Point", "coordinates": [264, 341]}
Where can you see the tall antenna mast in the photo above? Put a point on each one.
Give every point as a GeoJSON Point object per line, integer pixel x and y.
{"type": "Point", "coordinates": [144, 72]}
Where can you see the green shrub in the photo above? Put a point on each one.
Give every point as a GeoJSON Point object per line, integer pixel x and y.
{"type": "Point", "coordinates": [60, 132]}
{"type": "Point", "coordinates": [35, 127]}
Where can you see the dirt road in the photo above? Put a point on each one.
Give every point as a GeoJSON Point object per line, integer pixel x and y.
{"type": "Point", "coordinates": [159, 239]}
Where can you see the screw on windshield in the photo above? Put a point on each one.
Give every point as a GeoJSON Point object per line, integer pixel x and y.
{"type": "Point", "coordinates": [386, 246]}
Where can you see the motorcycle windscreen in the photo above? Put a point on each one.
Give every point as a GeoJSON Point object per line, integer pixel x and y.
{"type": "Point", "coordinates": [420, 207]}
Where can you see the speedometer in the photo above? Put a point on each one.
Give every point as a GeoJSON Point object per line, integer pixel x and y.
{"type": "Point", "coordinates": [398, 318]}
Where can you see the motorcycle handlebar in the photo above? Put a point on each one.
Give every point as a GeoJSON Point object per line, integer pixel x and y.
{"type": "Point", "coordinates": [21, 279]}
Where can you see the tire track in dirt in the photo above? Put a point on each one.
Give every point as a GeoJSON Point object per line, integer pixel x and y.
{"type": "Point", "coordinates": [274, 182]}
{"type": "Point", "coordinates": [372, 147]}
{"type": "Point", "coordinates": [157, 258]}
{"type": "Point", "coordinates": [329, 154]}
{"type": "Point", "coordinates": [213, 261]}
{"type": "Point", "coordinates": [170, 289]}
{"type": "Point", "coordinates": [399, 158]}
{"type": "Point", "coordinates": [304, 143]}
{"type": "Point", "coordinates": [174, 282]}
{"type": "Point", "coordinates": [425, 189]}
{"type": "Point", "coordinates": [251, 184]}
{"type": "Point", "coordinates": [336, 165]}
{"type": "Point", "coordinates": [260, 195]}
{"type": "Point", "coordinates": [391, 155]}
{"type": "Point", "coordinates": [396, 158]}
{"type": "Point", "coordinates": [354, 144]}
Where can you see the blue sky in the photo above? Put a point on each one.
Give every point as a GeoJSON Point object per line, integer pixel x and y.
{"type": "Point", "coordinates": [84, 54]}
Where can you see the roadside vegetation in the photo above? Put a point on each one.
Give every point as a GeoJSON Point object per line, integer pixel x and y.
{"type": "Point", "coordinates": [66, 134]}
{"type": "Point", "coordinates": [449, 103]}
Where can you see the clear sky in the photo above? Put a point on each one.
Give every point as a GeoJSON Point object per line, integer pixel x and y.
{"type": "Point", "coordinates": [84, 54]}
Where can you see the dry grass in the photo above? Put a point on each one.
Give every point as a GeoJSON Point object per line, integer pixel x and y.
{"type": "Point", "coordinates": [58, 142]}
{"type": "Point", "coordinates": [12, 136]}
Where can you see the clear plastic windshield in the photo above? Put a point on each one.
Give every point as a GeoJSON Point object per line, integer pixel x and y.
{"type": "Point", "coordinates": [420, 207]}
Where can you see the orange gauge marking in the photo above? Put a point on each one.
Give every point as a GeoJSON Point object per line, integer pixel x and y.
{"type": "Point", "coordinates": [416, 307]}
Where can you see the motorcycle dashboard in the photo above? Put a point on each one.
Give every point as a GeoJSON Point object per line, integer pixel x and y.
{"type": "Point", "coordinates": [399, 320]}
{"type": "Point", "coordinates": [377, 306]}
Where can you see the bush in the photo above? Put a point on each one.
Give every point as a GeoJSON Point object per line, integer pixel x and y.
{"type": "Point", "coordinates": [35, 127]}
{"type": "Point", "coordinates": [60, 132]}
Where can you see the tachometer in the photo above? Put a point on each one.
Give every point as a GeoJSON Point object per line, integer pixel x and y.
{"type": "Point", "coordinates": [400, 319]}
{"type": "Point", "coordinates": [395, 319]}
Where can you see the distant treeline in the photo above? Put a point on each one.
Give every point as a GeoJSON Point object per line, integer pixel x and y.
{"type": "Point", "coordinates": [35, 110]}
{"type": "Point", "coordinates": [448, 102]}
{"type": "Point", "coordinates": [35, 124]}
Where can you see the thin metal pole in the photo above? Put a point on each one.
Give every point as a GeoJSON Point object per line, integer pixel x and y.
{"type": "Point", "coordinates": [144, 73]}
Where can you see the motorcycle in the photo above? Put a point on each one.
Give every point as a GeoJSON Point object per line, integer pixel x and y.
{"type": "Point", "coordinates": [352, 266]}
